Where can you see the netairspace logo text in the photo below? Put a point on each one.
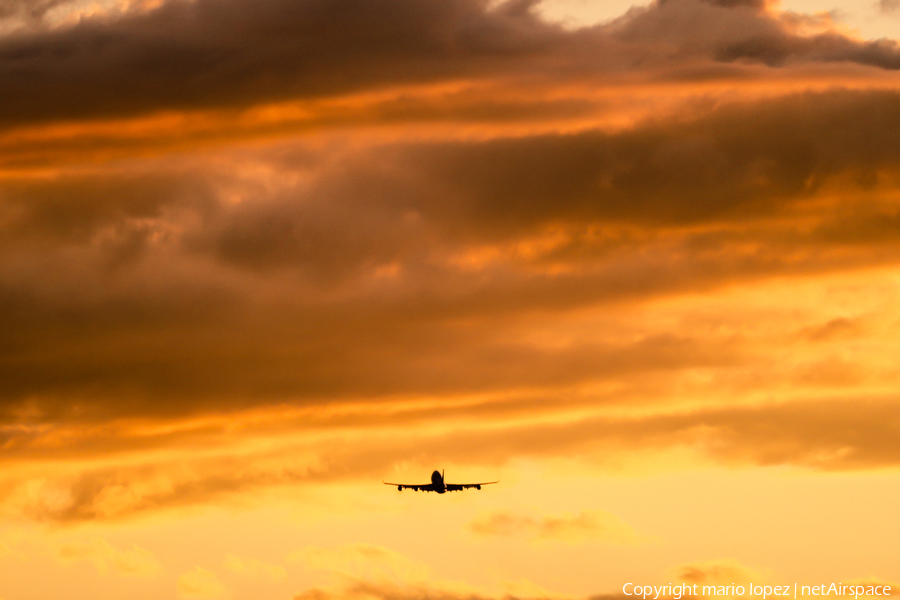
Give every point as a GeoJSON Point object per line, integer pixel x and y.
{"type": "Point", "coordinates": [763, 591]}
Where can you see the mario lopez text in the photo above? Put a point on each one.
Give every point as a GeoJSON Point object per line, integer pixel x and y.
{"type": "Point", "coordinates": [679, 591]}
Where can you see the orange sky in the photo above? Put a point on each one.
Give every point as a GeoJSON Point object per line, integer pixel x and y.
{"type": "Point", "coordinates": [256, 257]}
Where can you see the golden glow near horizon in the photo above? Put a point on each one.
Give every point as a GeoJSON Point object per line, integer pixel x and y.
{"type": "Point", "coordinates": [870, 20]}
{"type": "Point", "coordinates": [643, 266]}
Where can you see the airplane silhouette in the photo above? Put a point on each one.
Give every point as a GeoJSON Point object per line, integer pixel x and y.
{"type": "Point", "coordinates": [437, 485]}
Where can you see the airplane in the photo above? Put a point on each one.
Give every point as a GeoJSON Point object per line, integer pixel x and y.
{"type": "Point", "coordinates": [437, 485]}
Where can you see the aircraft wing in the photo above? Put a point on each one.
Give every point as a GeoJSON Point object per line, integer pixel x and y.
{"type": "Point", "coordinates": [455, 487]}
{"type": "Point", "coordinates": [424, 487]}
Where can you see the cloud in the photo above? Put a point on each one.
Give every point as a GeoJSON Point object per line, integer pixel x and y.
{"type": "Point", "coordinates": [889, 5]}
{"type": "Point", "coordinates": [851, 435]}
{"type": "Point", "coordinates": [710, 167]}
{"type": "Point", "coordinates": [364, 590]}
{"type": "Point", "coordinates": [200, 583]}
{"type": "Point", "coordinates": [254, 249]}
{"type": "Point", "coordinates": [718, 166]}
{"type": "Point", "coordinates": [279, 206]}
{"type": "Point", "coordinates": [757, 4]}
{"type": "Point", "coordinates": [175, 57]}
{"type": "Point", "coordinates": [374, 591]}
{"type": "Point", "coordinates": [369, 572]}
{"type": "Point", "coordinates": [154, 292]}
{"type": "Point", "coordinates": [366, 571]}
{"type": "Point", "coordinates": [839, 328]}
{"type": "Point", "coordinates": [364, 562]}
{"type": "Point", "coordinates": [118, 492]}
{"type": "Point", "coordinates": [135, 561]}
{"type": "Point", "coordinates": [33, 9]}
{"type": "Point", "coordinates": [255, 568]}
{"type": "Point", "coordinates": [729, 31]}
{"type": "Point", "coordinates": [829, 47]}
{"type": "Point", "coordinates": [592, 525]}
{"type": "Point", "coordinates": [719, 572]}
{"type": "Point", "coordinates": [828, 435]}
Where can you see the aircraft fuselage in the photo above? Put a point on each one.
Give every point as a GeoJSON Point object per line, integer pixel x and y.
{"type": "Point", "coordinates": [438, 482]}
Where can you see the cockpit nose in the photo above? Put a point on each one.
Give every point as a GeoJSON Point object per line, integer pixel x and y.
{"type": "Point", "coordinates": [436, 478]}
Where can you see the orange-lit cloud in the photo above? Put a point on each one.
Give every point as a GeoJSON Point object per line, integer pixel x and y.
{"type": "Point", "coordinates": [256, 256]}
{"type": "Point", "coordinates": [200, 583]}
{"type": "Point", "coordinates": [586, 525]}
{"type": "Point", "coordinates": [255, 568]}
{"type": "Point", "coordinates": [134, 561]}
{"type": "Point", "coordinates": [173, 57]}
{"type": "Point", "coordinates": [719, 572]}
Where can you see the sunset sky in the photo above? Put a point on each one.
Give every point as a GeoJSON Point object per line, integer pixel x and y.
{"type": "Point", "coordinates": [639, 262]}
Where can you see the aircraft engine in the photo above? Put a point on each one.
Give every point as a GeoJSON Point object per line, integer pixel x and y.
{"type": "Point", "coordinates": [400, 488]}
{"type": "Point", "coordinates": [477, 487]}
